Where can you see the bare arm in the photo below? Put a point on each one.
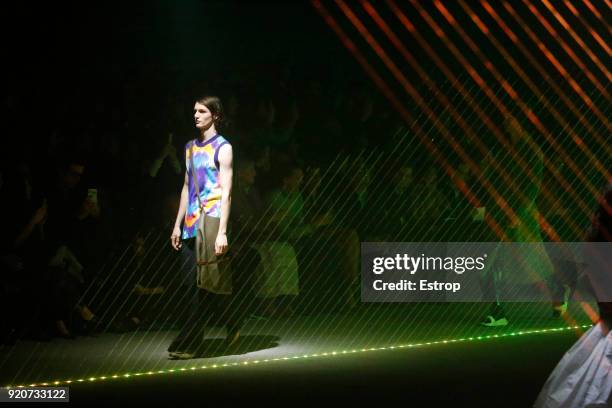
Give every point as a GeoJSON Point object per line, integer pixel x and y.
{"type": "Point", "coordinates": [225, 181]}
{"type": "Point", "coordinates": [37, 219]}
{"type": "Point", "coordinates": [25, 234]}
{"type": "Point", "coordinates": [176, 233]}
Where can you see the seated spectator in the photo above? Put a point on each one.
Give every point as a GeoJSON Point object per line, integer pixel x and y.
{"type": "Point", "coordinates": [286, 203]}
{"type": "Point", "coordinates": [46, 277]}
{"type": "Point", "coordinates": [429, 206]}
{"type": "Point", "coordinates": [350, 183]}
{"type": "Point", "coordinates": [338, 242]}
{"type": "Point", "coordinates": [286, 224]}
{"type": "Point", "coordinates": [22, 218]}
{"type": "Point", "coordinates": [73, 220]}
{"type": "Point", "coordinates": [393, 207]}
{"type": "Point", "coordinates": [267, 264]}
{"type": "Point", "coordinates": [463, 221]}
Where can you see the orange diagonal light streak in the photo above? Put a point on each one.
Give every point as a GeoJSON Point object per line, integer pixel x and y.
{"type": "Point", "coordinates": [530, 114]}
{"type": "Point", "coordinates": [544, 75]}
{"type": "Point", "coordinates": [500, 105]}
{"type": "Point", "coordinates": [576, 138]}
{"type": "Point", "coordinates": [594, 10]}
{"type": "Point", "coordinates": [576, 38]}
{"type": "Point", "coordinates": [570, 52]}
{"type": "Point", "coordinates": [590, 29]}
{"type": "Point", "coordinates": [509, 89]}
{"type": "Point", "coordinates": [407, 86]}
{"type": "Point", "coordinates": [597, 14]}
{"type": "Point", "coordinates": [444, 100]}
{"type": "Point", "coordinates": [557, 65]}
{"type": "Point", "coordinates": [459, 86]}
{"type": "Point", "coordinates": [380, 83]}
{"type": "Point", "coordinates": [419, 100]}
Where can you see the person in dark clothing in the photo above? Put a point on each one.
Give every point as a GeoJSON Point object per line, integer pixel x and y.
{"type": "Point", "coordinates": [582, 377]}
{"type": "Point", "coordinates": [517, 175]}
{"type": "Point", "coordinates": [249, 230]}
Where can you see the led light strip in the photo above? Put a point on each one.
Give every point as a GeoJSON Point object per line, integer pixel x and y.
{"type": "Point", "coordinates": [305, 356]}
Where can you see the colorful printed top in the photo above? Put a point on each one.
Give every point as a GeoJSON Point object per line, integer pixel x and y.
{"type": "Point", "coordinates": [206, 162]}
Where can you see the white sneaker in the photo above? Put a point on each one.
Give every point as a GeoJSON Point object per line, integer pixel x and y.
{"type": "Point", "coordinates": [179, 355]}
{"type": "Point", "coordinates": [560, 309]}
{"type": "Point", "coordinates": [491, 321]}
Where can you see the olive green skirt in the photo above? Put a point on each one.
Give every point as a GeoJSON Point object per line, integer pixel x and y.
{"type": "Point", "coordinates": [215, 275]}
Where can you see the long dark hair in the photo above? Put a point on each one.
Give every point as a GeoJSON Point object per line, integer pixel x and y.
{"type": "Point", "coordinates": [213, 103]}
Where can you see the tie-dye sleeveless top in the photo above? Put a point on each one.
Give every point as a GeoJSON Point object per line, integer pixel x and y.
{"type": "Point", "coordinates": [206, 163]}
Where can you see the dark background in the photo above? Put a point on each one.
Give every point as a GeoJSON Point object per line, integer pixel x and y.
{"type": "Point", "coordinates": [91, 65]}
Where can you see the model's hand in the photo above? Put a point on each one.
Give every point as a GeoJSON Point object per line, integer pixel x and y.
{"type": "Point", "coordinates": [175, 238]}
{"type": "Point", "coordinates": [221, 244]}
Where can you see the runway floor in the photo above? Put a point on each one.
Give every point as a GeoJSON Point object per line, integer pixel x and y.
{"type": "Point", "coordinates": [436, 353]}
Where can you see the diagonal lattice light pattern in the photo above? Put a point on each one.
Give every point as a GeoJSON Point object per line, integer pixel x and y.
{"type": "Point", "coordinates": [519, 157]}
{"type": "Point", "coordinates": [328, 19]}
{"type": "Point", "coordinates": [586, 26]}
{"type": "Point", "coordinates": [440, 33]}
{"type": "Point", "coordinates": [567, 75]}
{"type": "Point", "coordinates": [507, 87]}
{"type": "Point", "coordinates": [543, 74]}
{"type": "Point", "coordinates": [453, 72]}
{"type": "Point", "coordinates": [490, 125]}
{"type": "Point", "coordinates": [456, 117]}
{"type": "Point", "coordinates": [123, 376]}
{"type": "Point", "coordinates": [449, 75]}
